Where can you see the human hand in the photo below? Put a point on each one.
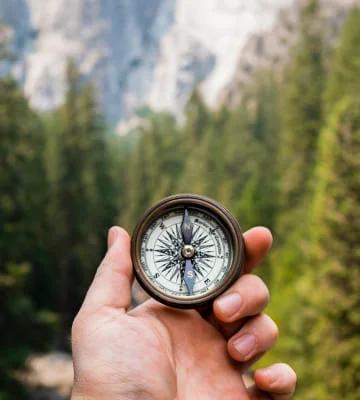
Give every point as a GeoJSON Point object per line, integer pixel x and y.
{"type": "Point", "coordinates": [154, 352]}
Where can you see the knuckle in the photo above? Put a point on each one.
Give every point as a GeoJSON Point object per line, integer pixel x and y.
{"type": "Point", "coordinates": [260, 291]}
{"type": "Point", "coordinates": [291, 379]}
{"type": "Point", "coordinates": [270, 327]}
{"type": "Point", "coordinates": [284, 380]}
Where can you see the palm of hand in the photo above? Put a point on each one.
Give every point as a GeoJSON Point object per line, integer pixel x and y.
{"type": "Point", "coordinates": [160, 353]}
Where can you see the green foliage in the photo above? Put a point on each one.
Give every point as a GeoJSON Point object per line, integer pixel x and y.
{"type": "Point", "coordinates": [320, 317]}
{"type": "Point", "coordinates": [82, 202]}
{"type": "Point", "coordinates": [334, 338]}
{"type": "Point", "coordinates": [346, 63]}
{"type": "Point", "coordinates": [154, 166]}
{"type": "Point", "coordinates": [22, 257]}
{"type": "Point", "coordinates": [57, 199]}
{"type": "Point", "coordinates": [196, 124]}
{"type": "Point", "coordinates": [257, 195]}
{"type": "Point", "coordinates": [301, 118]}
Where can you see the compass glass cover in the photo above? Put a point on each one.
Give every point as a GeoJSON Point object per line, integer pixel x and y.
{"type": "Point", "coordinates": [164, 253]}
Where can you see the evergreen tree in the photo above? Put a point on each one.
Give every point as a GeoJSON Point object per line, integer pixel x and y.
{"type": "Point", "coordinates": [259, 193]}
{"type": "Point", "coordinates": [333, 308]}
{"type": "Point", "coordinates": [138, 185]}
{"type": "Point", "coordinates": [22, 197]}
{"type": "Point", "coordinates": [81, 207]}
{"type": "Point", "coordinates": [301, 112]}
{"type": "Point", "coordinates": [237, 157]}
{"type": "Point", "coordinates": [103, 195]}
{"type": "Point", "coordinates": [196, 123]}
{"type": "Point", "coordinates": [334, 305]}
{"type": "Point", "coordinates": [155, 165]}
{"type": "Point", "coordinates": [301, 120]}
{"type": "Point", "coordinates": [300, 107]}
{"type": "Point", "coordinates": [207, 163]}
{"type": "Point", "coordinates": [344, 68]}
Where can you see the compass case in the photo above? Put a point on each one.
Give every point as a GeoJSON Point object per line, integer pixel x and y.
{"type": "Point", "coordinates": [214, 210]}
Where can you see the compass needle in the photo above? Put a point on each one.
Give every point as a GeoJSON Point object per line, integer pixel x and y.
{"type": "Point", "coordinates": [188, 251]}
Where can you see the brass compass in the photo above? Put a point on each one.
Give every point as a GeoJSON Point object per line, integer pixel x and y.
{"type": "Point", "coordinates": [186, 250]}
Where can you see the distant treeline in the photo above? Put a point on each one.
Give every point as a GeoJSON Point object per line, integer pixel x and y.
{"type": "Point", "coordinates": [287, 157]}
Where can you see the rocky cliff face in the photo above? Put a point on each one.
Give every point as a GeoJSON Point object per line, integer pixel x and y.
{"type": "Point", "coordinates": [270, 48]}
{"type": "Point", "coordinates": [203, 45]}
{"type": "Point", "coordinates": [16, 30]}
{"type": "Point", "coordinates": [145, 52]}
{"type": "Point", "coordinates": [115, 43]}
{"type": "Point", "coordinates": [137, 52]}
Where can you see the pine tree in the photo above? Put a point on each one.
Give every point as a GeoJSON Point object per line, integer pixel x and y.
{"type": "Point", "coordinates": [103, 196]}
{"type": "Point", "coordinates": [333, 308]}
{"type": "Point", "coordinates": [155, 165]}
{"type": "Point", "coordinates": [208, 161]}
{"type": "Point", "coordinates": [138, 185]}
{"type": "Point", "coordinates": [258, 201]}
{"type": "Point", "coordinates": [344, 78]}
{"type": "Point", "coordinates": [334, 318]}
{"type": "Point", "coordinates": [22, 197]}
{"type": "Point", "coordinates": [81, 185]}
{"type": "Point", "coordinates": [196, 123]}
{"type": "Point", "coordinates": [301, 112]}
{"type": "Point", "coordinates": [167, 156]}
{"type": "Point", "coordinates": [301, 121]}
{"type": "Point", "coordinates": [236, 153]}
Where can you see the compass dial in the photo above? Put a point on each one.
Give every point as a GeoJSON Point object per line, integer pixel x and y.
{"type": "Point", "coordinates": [186, 250]}
{"type": "Point", "coordinates": [163, 258]}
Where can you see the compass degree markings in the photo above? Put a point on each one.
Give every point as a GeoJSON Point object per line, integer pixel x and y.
{"type": "Point", "coordinates": [208, 264]}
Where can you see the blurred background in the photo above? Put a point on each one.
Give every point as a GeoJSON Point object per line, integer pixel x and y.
{"type": "Point", "coordinates": [107, 106]}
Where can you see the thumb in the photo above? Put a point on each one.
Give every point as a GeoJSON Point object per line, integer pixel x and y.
{"type": "Point", "coordinates": [111, 286]}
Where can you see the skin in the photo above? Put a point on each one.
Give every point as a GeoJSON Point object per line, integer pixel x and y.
{"type": "Point", "coordinates": [154, 352]}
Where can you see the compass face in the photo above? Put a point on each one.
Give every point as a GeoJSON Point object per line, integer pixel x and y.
{"type": "Point", "coordinates": [186, 250]}
{"type": "Point", "coordinates": [163, 259]}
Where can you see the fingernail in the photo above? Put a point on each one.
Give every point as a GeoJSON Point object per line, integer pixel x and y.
{"type": "Point", "coordinates": [245, 345]}
{"type": "Point", "coordinates": [229, 304]}
{"type": "Point", "coordinates": [112, 236]}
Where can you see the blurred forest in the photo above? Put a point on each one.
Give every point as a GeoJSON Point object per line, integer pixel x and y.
{"type": "Point", "coordinates": [287, 157]}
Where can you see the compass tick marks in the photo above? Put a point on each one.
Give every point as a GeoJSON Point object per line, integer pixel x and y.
{"type": "Point", "coordinates": [163, 258]}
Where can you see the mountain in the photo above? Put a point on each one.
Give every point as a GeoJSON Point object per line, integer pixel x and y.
{"type": "Point", "coordinates": [271, 49]}
{"type": "Point", "coordinates": [140, 53]}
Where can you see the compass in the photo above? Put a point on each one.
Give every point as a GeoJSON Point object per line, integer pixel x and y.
{"type": "Point", "coordinates": [187, 250]}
